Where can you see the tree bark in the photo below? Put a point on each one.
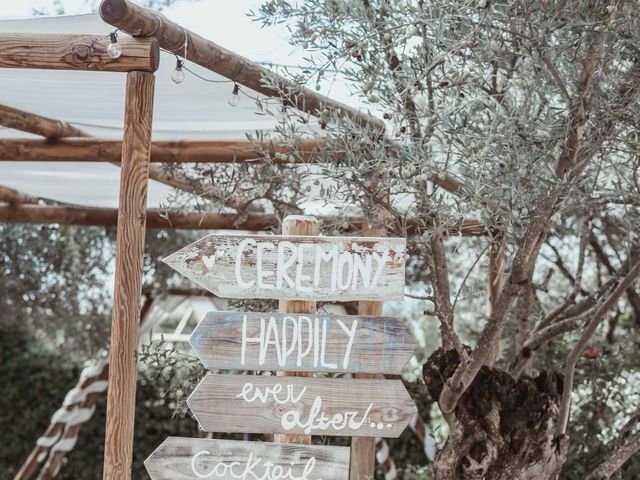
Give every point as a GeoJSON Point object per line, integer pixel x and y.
{"type": "Point", "coordinates": [501, 428]}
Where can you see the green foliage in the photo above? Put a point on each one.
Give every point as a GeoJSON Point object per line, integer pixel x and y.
{"type": "Point", "coordinates": [36, 380]}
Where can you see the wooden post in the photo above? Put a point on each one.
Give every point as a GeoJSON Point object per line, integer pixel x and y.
{"type": "Point", "coordinates": [363, 449]}
{"type": "Point", "coordinates": [118, 450]}
{"type": "Point", "coordinates": [297, 225]}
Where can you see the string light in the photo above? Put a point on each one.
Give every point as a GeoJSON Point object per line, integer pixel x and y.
{"type": "Point", "coordinates": [114, 49]}
{"type": "Point", "coordinates": [234, 101]}
{"type": "Point", "coordinates": [178, 74]}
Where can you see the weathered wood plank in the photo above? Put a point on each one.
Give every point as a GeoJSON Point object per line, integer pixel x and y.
{"type": "Point", "coordinates": [310, 343]}
{"type": "Point", "coordinates": [295, 267]}
{"type": "Point", "coordinates": [191, 458]}
{"type": "Point", "coordinates": [118, 451]}
{"type": "Point", "coordinates": [310, 406]}
{"type": "Point", "coordinates": [76, 52]}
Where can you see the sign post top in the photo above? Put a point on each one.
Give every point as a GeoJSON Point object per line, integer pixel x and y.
{"type": "Point", "coordinates": [295, 267]}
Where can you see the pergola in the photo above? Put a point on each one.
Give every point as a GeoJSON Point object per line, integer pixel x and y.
{"type": "Point", "coordinates": [70, 144]}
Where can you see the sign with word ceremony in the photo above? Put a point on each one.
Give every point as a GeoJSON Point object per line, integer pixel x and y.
{"type": "Point", "coordinates": [291, 267]}
{"type": "Point", "coordinates": [295, 267]}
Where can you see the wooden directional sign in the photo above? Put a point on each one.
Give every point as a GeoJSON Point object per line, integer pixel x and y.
{"type": "Point", "coordinates": [320, 343]}
{"type": "Point", "coordinates": [297, 405]}
{"type": "Point", "coordinates": [295, 267]}
{"type": "Point", "coordinates": [193, 458]}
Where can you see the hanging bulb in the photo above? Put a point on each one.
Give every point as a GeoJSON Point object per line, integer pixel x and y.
{"type": "Point", "coordinates": [114, 50]}
{"type": "Point", "coordinates": [234, 101]}
{"type": "Point", "coordinates": [178, 74]}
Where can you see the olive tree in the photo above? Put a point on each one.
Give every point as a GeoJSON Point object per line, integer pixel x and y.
{"type": "Point", "coordinates": [520, 116]}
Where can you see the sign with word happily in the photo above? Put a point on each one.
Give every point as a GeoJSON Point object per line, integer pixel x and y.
{"type": "Point", "coordinates": [194, 458]}
{"type": "Point", "coordinates": [298, 405]}
{"type": "Point", "coordinates": [295, 267]}
{"type": "Point", "coordinates": [318, 343]}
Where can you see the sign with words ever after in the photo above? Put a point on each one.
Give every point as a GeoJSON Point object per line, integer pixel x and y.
{"type": "Point", "coordinates": [295, 267]}
{"type": "Point", "coordinates": [298, 405]}
{"type": "Point", "coordinates": [194, 458]}
{"type": "Point", "coordinates": [319, 343]}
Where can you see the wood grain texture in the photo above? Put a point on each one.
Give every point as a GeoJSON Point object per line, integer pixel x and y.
{"type": "Point", "coordinates": [128, 276]}
{"type": "Point", "coordinates": [108, 217]}
{"type": "Point", "coordinates": [295, 267]}
{"type": "Point", "coordinates": [36, 124]}
{"type": "Point", "coordinates": [295, 405]}
{"type": "Point", "coordinates": [297, 225]}
{"type": "Point", "coordinates": [142, 22]}
{"type": "Point", "coordinates": [184, 151]}
{"type": "Point", "coordinates": [309, 343]}
{"type": "Point", "coordinates": [76, 52]}
{"type": "Point", "coordinates": [363, 450]}
{"type": "Point", "coordinates": [192, 458]}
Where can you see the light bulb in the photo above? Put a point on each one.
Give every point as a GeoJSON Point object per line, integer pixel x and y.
{"type": "Point", "coordinates": [234, 100]}
{"type": "Point", "coordinates": [178, 74]}
{"type": "Point", "coordinates": [114, 50]}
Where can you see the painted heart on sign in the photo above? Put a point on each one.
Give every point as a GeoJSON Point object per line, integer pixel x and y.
{"type": "Point", "coordinates": [209, 261]}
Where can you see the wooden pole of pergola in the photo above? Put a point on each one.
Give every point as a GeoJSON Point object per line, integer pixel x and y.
{"type": "Point", "coordinates": [136, 146]}
{"type": "Point", "coordinates": [108, 217]}
{"type": "Point", "coordinates": [182, 151]}
{"type": "Point", "coordinates": [53, 129]}
{"type": "Point", "coordinates": [142, 22]}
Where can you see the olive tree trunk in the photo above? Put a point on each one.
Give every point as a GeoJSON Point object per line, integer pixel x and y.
{"type": "Point", "coordinates": [502, 428]}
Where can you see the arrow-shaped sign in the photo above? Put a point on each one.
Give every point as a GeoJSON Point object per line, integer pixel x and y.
{"type": "Point", "coordinates": [194, 458]}
{"type": "Point", "coordinates": [290, 342]}
{"type": "Point", "coordinates": [295, 267]}
{"type": "Point", "coordinates": [309, 406]}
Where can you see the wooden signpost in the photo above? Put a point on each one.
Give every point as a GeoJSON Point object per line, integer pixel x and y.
{"type": "Point", "coordinates": [298, 270]}
{"type": "Point", "coordinates": [309, 343]}
{"type": "Point", "coordinates": [295, 267]}
{"type": "Point", "coordinates": [309, 406]}
{"type": "Point", "coordinates": [189, 458]}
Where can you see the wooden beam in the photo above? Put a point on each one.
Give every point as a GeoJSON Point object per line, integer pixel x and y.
{"type": "Point", "coordinates": [108, 217]}
{"type": "Point", "coordinates": [118, 451]}
{"type": "Point", "coordinates": [53, 129]}
{"type": "Point", "coordinates": [76, 52]}
{"type": "Point", "coordinates": [185, 151]}
{"type": "Point", "coordinates": [143, 22]}
{"type": "Point", "coordinates": [11, 196]}
{"type": "Point", "coordinates": [36, 124]}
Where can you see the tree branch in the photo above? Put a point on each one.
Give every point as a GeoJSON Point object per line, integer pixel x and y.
{"type": "Point", "coordinates": [573, 357]}
{"type": "Point", "coordinates": [442, 294]}
{"type": "Point", "coordinates": [628, 444]}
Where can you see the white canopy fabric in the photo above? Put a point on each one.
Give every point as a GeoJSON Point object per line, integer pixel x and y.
{"type": "Point", "coordinates": [94, 101]}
